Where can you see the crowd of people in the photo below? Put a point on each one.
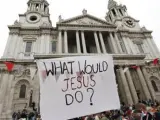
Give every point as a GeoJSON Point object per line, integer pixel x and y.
{"type": "Point", "coordinates": [144, 110]}
{"type": "Point", "coordinates": [24, 115]}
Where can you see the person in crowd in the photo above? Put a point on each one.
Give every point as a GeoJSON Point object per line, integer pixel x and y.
{"type": "Point", "coordinates": [14, 116]}
{"type": "Point", "coordinates": [103, 117]}
{"type": "Point", "coordinates": [18, 115]}
{"type": "Point", "coordinates": [144, 110]}
{"type": "Point", "coordinates": [24, 114]}
{"type": "Point", "coordinates": [38, 117]}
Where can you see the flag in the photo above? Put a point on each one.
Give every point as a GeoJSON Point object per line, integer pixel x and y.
{"type": "Point", "coordinates": [125, 69]}
{"type": "Point", "coordinates": [9, 66]}
{"type": "Point", "coordinates": [155, 61]}
{"type": "Point", "coordinates": [134, 67]}
{"type": "Point", "coordinates": [32, 72]}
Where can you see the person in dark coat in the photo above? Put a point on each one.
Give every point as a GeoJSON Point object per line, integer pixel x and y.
{"type": "Point", "coordinates": [14, 116]}
{"type": "Point", "coordinates": [157, 115]}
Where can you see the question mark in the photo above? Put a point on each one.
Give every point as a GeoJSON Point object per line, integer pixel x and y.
{"type": "Point", "coordinates": [91, 94]}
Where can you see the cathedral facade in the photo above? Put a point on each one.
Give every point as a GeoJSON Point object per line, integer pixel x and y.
{"type": "Point", "coordinates": [33, 37]}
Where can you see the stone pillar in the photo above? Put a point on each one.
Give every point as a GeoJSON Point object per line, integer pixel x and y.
{"type": "Point", "coordinates": [42, 44]}
{"type": "Point", "coordinates": [1, 81]}
{"type": "Point", "coordinates": [78, 42]}
{"type": "Point", "coordinates": [150, 87]}
{"type": "Point", "coordinates": [48, 44]}
{"type": "Point", "coordinates": [143, 83]}
{"type": "Point", "coordinates": [43, 7]}
{"type": "Point", "coordinates": [17, 49]}
{"type": "Point", "coordinates": [3, 91]}
{"type": "Point", "coordinates": [155, 48]}
{"type": "Point", "coordinates": [116, 12]}
{"type": "Point", "coordinates": [117, 40]}
{"type": "Point", "coordinates": [83, 42]}
{"type": "Point", "coordinates": [6, 51]}
{"type": "Point", "coordinates": [13, 44]}
{"type": "Point", "coordinates": [60, 42]}
{"type": "Point", "coordinates": [97, 42]}
{"type": "Point", "coordinates": [65, 42]}
{"type": "Point", "coordinates": [10, 93]}
{"type": "Point", "coordinates": [113, 43]}
{"type": "Point", "coordinates": [36, 92]}
{"type": "Point", "coordinates": [120, 86]}
{"type": "Point", "coordinates": [126, 45]}
{"type": "Point", "coordinates": [146, 48]}
{"type": "Point", "coordinates": [150, 52]}
{"type": "Point", "coordinates": [151, 47]}
{"type": "Point", "coordinates": [132, 48]}
{"type": "Point", "coordinates": [131, 86]}
{"type": "Point", "coordinates": [125, 86]}
{"type": "Point", "coordinates": [102, 42]}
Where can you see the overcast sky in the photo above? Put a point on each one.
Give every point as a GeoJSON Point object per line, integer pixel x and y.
{"type": "Point", "coordinates": [147, 11]}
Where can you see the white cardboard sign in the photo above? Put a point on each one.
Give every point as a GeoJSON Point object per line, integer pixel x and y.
{"type": "Point", "coordinates": [76, 86]}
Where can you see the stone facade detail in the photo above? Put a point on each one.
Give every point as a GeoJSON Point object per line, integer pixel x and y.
{"type": "Point", "coordinates": [33, 37]}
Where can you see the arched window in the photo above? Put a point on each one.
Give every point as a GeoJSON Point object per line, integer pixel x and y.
{"type": "Point", "coordinates": [154, 86]}
{"type": "Point", "coordinates": [22, 93]}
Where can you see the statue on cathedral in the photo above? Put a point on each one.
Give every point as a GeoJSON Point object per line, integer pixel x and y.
{"type": "Point", "coordinates": [47, 10]}
{"type": "Point", "coordinates": [84, 11]}
{"type": "Point", "coordinates": [16, 22]}
{"type": "Point", "coordinates": [60, 18]}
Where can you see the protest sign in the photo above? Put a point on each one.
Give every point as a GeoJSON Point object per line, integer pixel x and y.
{"type": "Point", "coordinates": [77, 86]}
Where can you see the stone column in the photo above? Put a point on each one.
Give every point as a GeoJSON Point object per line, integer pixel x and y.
{"type": "Point", "coordinates": [12, 43]}
{"type": "Point", "coordinates": [150, 87]}
{"type": "Point", "coordinates": [48, 44]}
{"type": "Point", "coordinates": [117, 40]}
{"type": "Point", "coordinates": [131, 86]}
{"type": "Point", "coordinates": [83, 42]}
{"type": "Point", "coordinates": [3, 92]}
{"type": "Point", "coordinates": [78, 42]}
{"type": "Point", "coordinates": [126, 45]}
{"type": "Point", "coordinates": [60, 42]}
{"type": "Point", "coordinates": [65, 42]}
{"type": "Point", "coordinates": [120, 86]}
{"type": "Point", "coordinates": [155, 48]}
{"type": "Point", "coordinates": [10, 93]}
{"type": "Point", "coordinates": [132, 48]}
{"type": "Point", "coordinates": [146, 48]}
{"type": "Point", "coordinates": [102, 42]}
{"type": "Point", "coordinates": [113, 43]}
{"type": "Point", "coordinates": [42, 50]}
{"type": "Point", "coordinates": [6, 51]}
{"type": "Point", "coordinates": [97, 42]}
{"type": "Point", "coordinates": [17, 49]}
{"type": "Point", "coordinates": [143, 83]}
{"type": "Point", "coordinates": [151, 47]}
{"type": "Point", "coordinates": [125, 86]}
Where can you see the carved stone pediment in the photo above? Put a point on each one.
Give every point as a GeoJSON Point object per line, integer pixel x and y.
{"type": "Point", "coordinates": [86, 19]}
